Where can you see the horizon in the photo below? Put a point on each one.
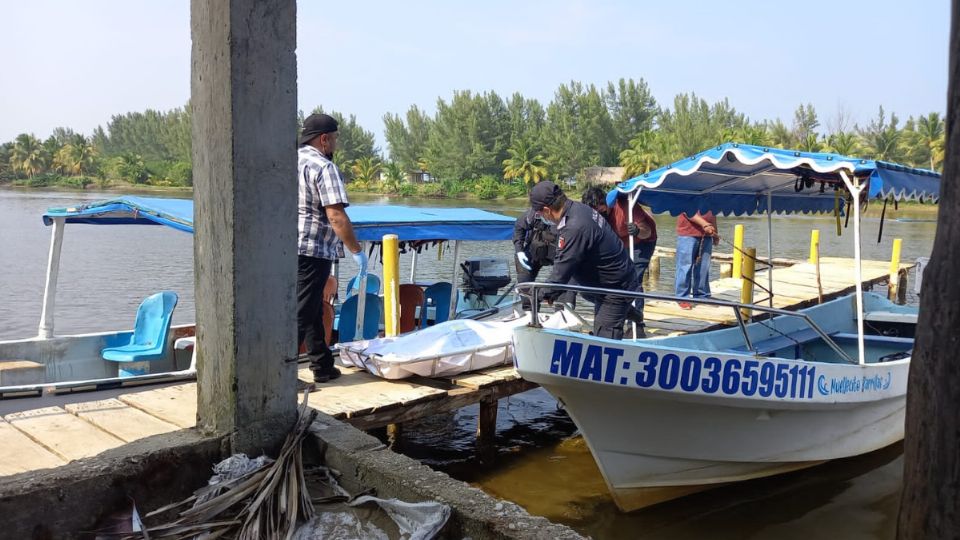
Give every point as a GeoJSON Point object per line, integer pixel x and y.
{"type": "Point", "coordinates": [385, 66]}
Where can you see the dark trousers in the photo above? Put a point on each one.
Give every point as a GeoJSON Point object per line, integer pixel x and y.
{"type": "Point", "coordinates": [312, 275]}
{"type": "Point", "coordinates": [642, 253]}
{"type": "Point", "coordinates": [525, 276]}
{"type": "Point", "coordinates": [609, 315]}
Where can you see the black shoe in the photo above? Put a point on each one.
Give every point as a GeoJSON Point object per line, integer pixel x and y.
{"type": "Point", "coordinates": [326, 376]}
{"type": "Point", "coordinates": [634, 315]}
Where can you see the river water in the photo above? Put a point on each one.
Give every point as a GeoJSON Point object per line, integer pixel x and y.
{"type": "Point", "coordinates": [539, 461]}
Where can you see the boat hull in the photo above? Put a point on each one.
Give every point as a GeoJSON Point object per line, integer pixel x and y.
{"type": "Point", "coordinates": [696, 419]}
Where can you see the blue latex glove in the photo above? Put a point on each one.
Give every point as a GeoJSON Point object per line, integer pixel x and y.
{"type": "Point", "coordinates": [524, 261]}
{"type": "Point", "coordinates": [360, 258]}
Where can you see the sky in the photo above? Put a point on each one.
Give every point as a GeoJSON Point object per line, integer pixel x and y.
{"type": "Point", "coordinates": [75, 64]}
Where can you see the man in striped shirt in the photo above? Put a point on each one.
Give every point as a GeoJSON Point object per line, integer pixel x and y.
{"type": "Point", "coordinates": [324, 228]}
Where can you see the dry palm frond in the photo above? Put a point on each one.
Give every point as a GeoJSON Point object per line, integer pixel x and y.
{"type": "Point", "coordinates": [263, 503]}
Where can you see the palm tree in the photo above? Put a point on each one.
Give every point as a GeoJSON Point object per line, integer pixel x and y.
{"type": "Point", "coordinates": [881, 140]}
{"type": "Point", "coordinates": [843, 143]}
{"type": "Point", "coordinates": [524, 163]}
{"type": "Point", "coordinates": [76, 158]}
{"type": "Point", "coordinates": [931, 133]}
{"type": "Point", "coordinates": [641, 156]}
{"type": "Point", "coordinates": [27, 155]}
{"type": "Point", "coordinates": [366, 170]}
{"type": "Point", "coordinates": [393, 177]}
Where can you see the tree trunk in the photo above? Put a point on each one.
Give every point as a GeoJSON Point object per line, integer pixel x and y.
{"type": "Point", "coordinates": [930, 504]}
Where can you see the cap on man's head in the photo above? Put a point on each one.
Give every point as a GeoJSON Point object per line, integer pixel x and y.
{"type": "Point", "coordinates": [544, 193]}
{"type": "Point", "coordinates": [317, 124]}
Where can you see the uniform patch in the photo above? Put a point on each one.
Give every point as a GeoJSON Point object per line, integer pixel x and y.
{"type": "Point", "coordinates": [561, 242]}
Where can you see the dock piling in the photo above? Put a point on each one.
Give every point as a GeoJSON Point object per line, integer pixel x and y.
{"type": "Point", "coordinates": [894, 283]}
{"type": "Point", "coordinates": [747, 273]}
{"type": "Point", "coordinates": [814, 246]}
{"type": "Point", "coordinates": [487, 422]}
{"type": "Point", "coordinates": [737, 271]}
{"type": "Point", "coordinates": [391, 285]}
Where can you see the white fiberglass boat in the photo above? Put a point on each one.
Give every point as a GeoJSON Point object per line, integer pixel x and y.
{"type": "Point", "coordinates": [671, 416]}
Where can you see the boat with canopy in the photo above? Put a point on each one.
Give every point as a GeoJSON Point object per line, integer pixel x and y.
{"type": "Point", "coordinates": [58, 363]}
{"type": "Point", "coordinates": [784, 390]}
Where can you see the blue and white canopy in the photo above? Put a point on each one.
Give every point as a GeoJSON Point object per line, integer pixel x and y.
{"type": "Point", "coordinates": [369, 222]}
{"type": "Point", "coordinates": [735, 178]}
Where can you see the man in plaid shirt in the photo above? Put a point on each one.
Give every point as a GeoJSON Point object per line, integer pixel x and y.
{"type": "Point", "coordinates": [324, 229]}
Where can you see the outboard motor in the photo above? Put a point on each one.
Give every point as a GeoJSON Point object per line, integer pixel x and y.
{"type": "Point", "coordinates": [484, 277]}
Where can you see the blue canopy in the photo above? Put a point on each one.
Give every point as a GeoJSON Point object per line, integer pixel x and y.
{"type": "Point", "coordinates": [735, 178]}
{"type": "Point", "coordinates": [369, 222]}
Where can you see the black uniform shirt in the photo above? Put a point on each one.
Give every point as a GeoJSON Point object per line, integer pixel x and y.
{"type": "Point", "coordinates": [590, 252]}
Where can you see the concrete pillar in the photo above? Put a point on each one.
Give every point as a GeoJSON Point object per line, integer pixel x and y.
{"type": "Point", "coordinates": [244, 99]}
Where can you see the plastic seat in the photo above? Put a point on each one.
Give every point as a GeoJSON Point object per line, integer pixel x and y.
{"type": "Point", "coordinates": [437, 296]}
{"type": "Point", "coordinates": [373, 312]}
{"type": "Point", "coordinates": [373, 285]}
{"type": "Point", "coordinates": [410, 297]}
{"type": "Point", "coordinates": [149, 339]}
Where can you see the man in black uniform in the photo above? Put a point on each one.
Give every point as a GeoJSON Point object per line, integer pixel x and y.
{"type": "Point", "coordinates": [535, 243]}
{"type": "Point", "coordinates": [589, 252]}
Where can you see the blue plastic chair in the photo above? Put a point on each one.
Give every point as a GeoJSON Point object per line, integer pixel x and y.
{"type": "Point", "coordinates": [373, 285]}
{"type": "Point", "coordinates": [437, 296]}
{"type": "Point", "coordinates": [347, 324]}
{"type": "Point", "coordinates": [149, 339]}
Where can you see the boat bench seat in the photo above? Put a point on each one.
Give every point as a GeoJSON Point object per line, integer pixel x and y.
{"type": "Point", "coordinates": [771, 345]}
{"type": "Point", "coordinates": [872, 338]}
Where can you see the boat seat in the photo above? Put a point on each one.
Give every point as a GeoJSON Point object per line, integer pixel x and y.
{"type": "Point", "coordinates": [149, 339]}
{"type": "Point", "coordinates": [766, 347]}
{"type": "Point", "coordinates": [872, 338]}
{"type": "Point", "coordinates": [411, 300]}
{"type": "Point", "coordinates": [372, 315]}
{"type": "Point", "coordinates": [373, 285]}
{"type": "Point", "coordinates": [436, 296]}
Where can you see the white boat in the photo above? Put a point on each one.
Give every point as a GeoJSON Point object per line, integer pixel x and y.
{"type": "Point", "coordinates": [55, 363]}
{"type": "Point", "coordinates": [671, 416]}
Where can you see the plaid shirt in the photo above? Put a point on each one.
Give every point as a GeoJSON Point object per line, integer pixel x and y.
{"type": "Point", "coordinates": [320, 185]}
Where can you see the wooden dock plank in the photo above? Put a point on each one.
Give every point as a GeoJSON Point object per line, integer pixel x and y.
{"type": "Point", "coordinates": [175, 404]}
{"type": "Point", "coordinates": [19, 453]}
{"type": "Point", "coordinates": [63, 433]}
{"type": "Point", "coordinates": [487, 377]}
{"type": "Point", "coordinates": [120, 420]}
{"type": "Point", "coordinates": [357, 393]}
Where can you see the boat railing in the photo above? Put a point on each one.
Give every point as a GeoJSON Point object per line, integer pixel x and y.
{"type": "Point", "coordinates": [531, 290]}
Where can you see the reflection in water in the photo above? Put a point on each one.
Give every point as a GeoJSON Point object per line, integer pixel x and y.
{"type": "Point", "coordinates": [539, 462]}
{"type": "Point", "coordinates": [544, 466]}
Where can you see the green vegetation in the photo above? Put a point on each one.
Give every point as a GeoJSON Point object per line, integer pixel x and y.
{"type": "Point", "coordinates": [480, 144]}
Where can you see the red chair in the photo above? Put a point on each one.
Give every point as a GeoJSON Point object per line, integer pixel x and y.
{"type": "Point", "coordinates": [410, 297]}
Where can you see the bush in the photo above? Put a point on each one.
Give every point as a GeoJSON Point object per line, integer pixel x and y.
{"type": "Point", "coordinates": [487, 187]}
{"type": "Point", "coordinates": [407, 190]}
{"type": "Point", "coordinates": [513, 190]}
{"type": "Point", "coordinates": [432, 189]}
{"type": "Point", "coordinates": [452, 188]}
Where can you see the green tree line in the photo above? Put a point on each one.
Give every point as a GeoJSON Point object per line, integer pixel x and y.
{"type": "Point", "coordinates": [485, 144]}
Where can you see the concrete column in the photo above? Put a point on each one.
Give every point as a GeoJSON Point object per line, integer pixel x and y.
{"type": "Point", "coordinates": [244, 100]}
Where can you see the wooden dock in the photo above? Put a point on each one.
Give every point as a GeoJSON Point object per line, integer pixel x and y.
{"type": "Point", "coordinates": [52, 436]}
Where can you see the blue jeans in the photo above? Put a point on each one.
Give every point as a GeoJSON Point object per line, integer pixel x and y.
{"type": "Point", "coordinates": [693, 276]}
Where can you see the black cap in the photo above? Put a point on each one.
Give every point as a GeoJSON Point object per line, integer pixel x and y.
{"type": "Point", "coordinates": [317, 124]}
{"type": "Point", "coordinates": [544, 193]}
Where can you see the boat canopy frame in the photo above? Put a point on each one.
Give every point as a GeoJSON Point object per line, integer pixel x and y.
{"type": "Point", "coordinates": [743, 179]}
{"type": "Point", "coordinates": [370, 222]}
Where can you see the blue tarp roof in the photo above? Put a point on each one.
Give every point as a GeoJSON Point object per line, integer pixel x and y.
{"type": "Point", "coordinates": [734, 178]}
{"type": "Point", "coordinates": [369, 222]}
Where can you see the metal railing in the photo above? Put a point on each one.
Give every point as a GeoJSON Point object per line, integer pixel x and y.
{"type": "Point", "coordinates": [534, 287]}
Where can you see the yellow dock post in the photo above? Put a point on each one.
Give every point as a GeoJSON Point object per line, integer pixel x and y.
{"type": "Point", "coordinates": [737, 252]}
{"type": "Point", "coordinates": [746, 279]}
{"type": "Point", "coordinates": [894, 270]}
{"type": "Point", "coordinates": [391, 284]}
{"type": "Point", "coordinates": [814, 246]}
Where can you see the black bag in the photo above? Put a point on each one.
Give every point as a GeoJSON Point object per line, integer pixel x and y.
{"type": "Point", "coordinates": [543, 244]}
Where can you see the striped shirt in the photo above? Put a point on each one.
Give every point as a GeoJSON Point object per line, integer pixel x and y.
{"type": "Point", "coordinates": [320, 185]}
